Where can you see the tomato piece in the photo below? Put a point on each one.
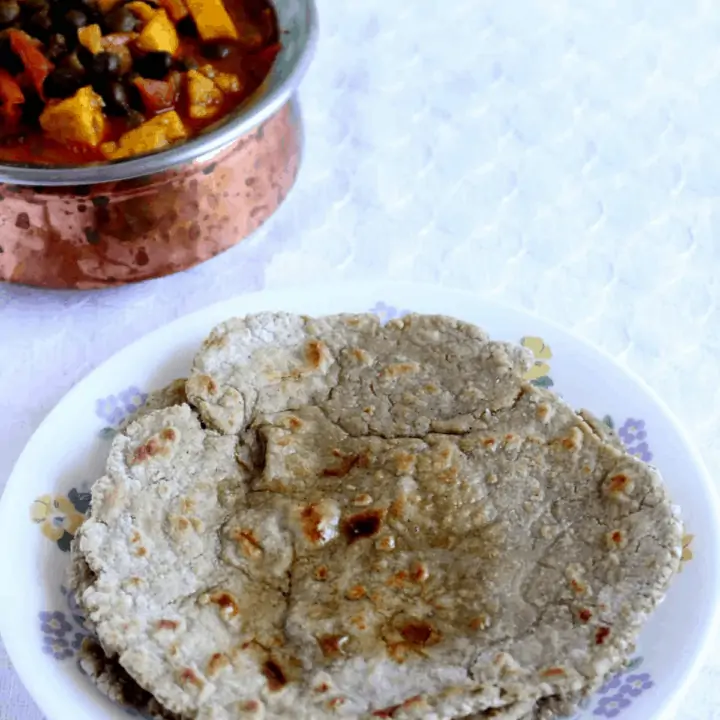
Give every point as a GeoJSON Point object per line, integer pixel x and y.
{"type": "Point", "coordinates": [157, 95]}
{"type": "Point", "coordinates": [267, 55]}
{"type": "Point", "coordinates": [11, 97]}
{"type": "Point", "coordinates": [37, 66]}
{"type": "Point", "coordinates": [10, 92]}
{"type": "Point", "coordinates": [263, 60]}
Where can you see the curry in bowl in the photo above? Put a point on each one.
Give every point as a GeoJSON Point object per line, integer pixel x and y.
{"type": "Point", "coordinates": [83, 81]}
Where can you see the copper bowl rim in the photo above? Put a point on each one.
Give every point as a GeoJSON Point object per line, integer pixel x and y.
{"type": "Point", "coordinates": [253, 113]}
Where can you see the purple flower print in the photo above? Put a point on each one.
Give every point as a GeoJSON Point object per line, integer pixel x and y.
{"type": "Point", "coordinates": [611, 706]}
{"type": "Point", "coordinates": [54, 624]}
{"type": "Point", "coordinates": [632, 431]}
{"type": "Point", "coordinates": [633, 435]}
{"type": "Point", "coordinates": [132, 399]}
{"type": "Point", "coordinates": [636, 684]}
{"type": "Point", "coordinates": [76, 611]}
{"type": "Point", "coordinates": [109, 410]}
{"type": "Point", "coordinates": [612, 684]}
{"type": "Point", "coordinates": [115, 408]}
{"type": "Point", "coordinates": [641, 451]}
{"type": "Point", "coordinates": [387, 312]}
{"type": "Point", "coordinates": [78, 640]}
{"type": "Point", "coordinates": [57, 647]}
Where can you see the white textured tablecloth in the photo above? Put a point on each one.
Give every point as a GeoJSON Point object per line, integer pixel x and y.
{"type": "Point", "coordinates": [560, 156]}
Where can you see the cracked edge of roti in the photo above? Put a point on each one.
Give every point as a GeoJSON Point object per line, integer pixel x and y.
{"type": "Point", "coordinates": [103, 670]}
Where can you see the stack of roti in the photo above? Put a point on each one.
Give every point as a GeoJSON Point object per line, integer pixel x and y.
{"type": "Point", "coordinates": [336, 518]}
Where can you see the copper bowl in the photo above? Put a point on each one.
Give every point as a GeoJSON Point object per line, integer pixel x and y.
{"type": "Point", "coordinates": [114, 223]}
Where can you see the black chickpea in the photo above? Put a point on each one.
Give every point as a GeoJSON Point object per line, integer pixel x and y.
{"type": "Point", "coordinates": [154, 65]}
{"type": "Point", "coordinates": [76, 19]}
{"type": "Point", "coordinates": [62, 83]}
{"type": "Point", "coordinates": [105, 65]}
{"type": "Point", "coordinates": [116, 99]}
{"type": "Point", "coordinates": [121, 20]}
{"type": "Point", "coordinates": [9, 12]}
{"type": "Point", "coordinates": [217, 50]}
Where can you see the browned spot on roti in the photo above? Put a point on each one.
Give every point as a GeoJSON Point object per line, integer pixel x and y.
{"type": "Point", "coordinates": [331, 645]}
{"type": "Point", "coordinates": [449, 475]}
{"type": "Point", "coordinates": [295, 423]}
{"type": "Point", "coordinates": [209, 383]}
{"type": "Point", "coordinates": [363, 525]}
{"type": "Point", "coordinates": [312, 520]}
{"type": "Point", "coordinates": [168, 625]}
{"type": "Point", "coordinates": [553, 672]}
{"type": "Point", "coordinates": [226, 602]}
{"type": "Point", "coordinates": [168, 434]}
{"type": "Point", "coordinates": [321, 573]}
{"type": "Point", "coordinates": [216, 663]}
{"type": "Point", "coordinates": [618, 483]}
{"type": "Point", "coordinates": [420, 633]}
{"type": "Point", "coordinates": [322, 688]}
{"type": "Point", "coordinates": [419, 571]}
{"type": "Point", "coordinates": [135, 537]}
{"type": "Point", "coordinates": [397, 580]}
{"type": "Point", "coordinates": [357, 592]}
{"type": "Point", "coordinates": [387, 712]}
{"type": "Point", "coordinates": [601, 635]}
{"type": "Point", "coordinates": [347, 463]}
{"type": "Point", "coordinates": [188, 676]}
{"type": "Point", "coordinates": [404, 462]}
{"type": "Point", "coordinates": [481, 622]}
{"type": "Point", "coordinates": [141, 552]}
{"type": "Point", "coordinates": [249, 544]}
{"type": "Point", "coordinates": [399, 369]}
{"type": "Point", "coordinates": [585, 615]}
{"type": "Point", "coordinates": [315, 352]}
{"type": "Point", "coordinates": [152, 448]}
{"type": "Point", "coordinates": [274, 675]}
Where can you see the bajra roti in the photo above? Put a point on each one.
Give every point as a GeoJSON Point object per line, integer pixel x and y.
{"type": "Point", "coordinates": [410, 532]}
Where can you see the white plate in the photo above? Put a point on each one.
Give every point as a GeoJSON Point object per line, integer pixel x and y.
{"type": "Point", "coordinates": [41, 629]}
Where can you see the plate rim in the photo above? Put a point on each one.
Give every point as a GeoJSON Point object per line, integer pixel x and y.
{"type": "Point", "coordinates": [378, 291]}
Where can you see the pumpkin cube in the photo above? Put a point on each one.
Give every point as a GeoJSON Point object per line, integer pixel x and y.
{"type": "Point", "coordinates": [212, 20]}
{"type": "Point", "coordinates": [90, 37]}
{"type": "Point", "coordinates": [205, 98]}
{"type": "Point", "coordinates": [153, 134]}
{"type": "Point", "coordinates": [76, 120]}
{"type": "Point", "coordinates": [159, 35]}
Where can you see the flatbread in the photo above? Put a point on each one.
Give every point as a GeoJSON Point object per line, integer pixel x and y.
{"type": "Point", "coordinates": [409, 531]}
{"type": "Point", "coordinates": [412, 376]}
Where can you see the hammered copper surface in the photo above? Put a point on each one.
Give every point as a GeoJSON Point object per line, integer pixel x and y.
{"type": "Point", "coordinates": [114, 233]}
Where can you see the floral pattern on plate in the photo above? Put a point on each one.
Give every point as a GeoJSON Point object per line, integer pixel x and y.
{"type": "Point", "coordinates": [63, 632]}
{"type": "Point", "coordinates": [59, 516]}
{"type": "Point", "coordinates": [618, 693]}
{"type": "Point", "coordinates": [539, 372]}
{"type": "Point", "coordinates": [386, 312]}
{"type": "Point", "coordinates": [113, 409]}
